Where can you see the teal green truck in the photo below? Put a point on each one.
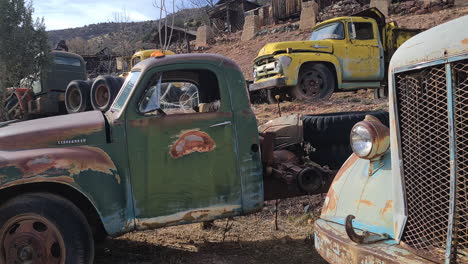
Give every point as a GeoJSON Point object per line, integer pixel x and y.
{"type": "Point", "coordinates": [180, 144]}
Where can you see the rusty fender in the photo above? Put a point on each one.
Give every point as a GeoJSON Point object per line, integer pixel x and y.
{"type": "Point", "coordinates": [190, 216]}
{"type": "Point", "coordinates": [53, 164]}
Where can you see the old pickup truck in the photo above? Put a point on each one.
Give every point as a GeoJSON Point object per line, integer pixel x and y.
{"type": "Point", "coordinates": [342, 54]}
{"type": "Point", "coordinates": [409, 203]}
{"type": "Point", "coordinates": [150, 161]}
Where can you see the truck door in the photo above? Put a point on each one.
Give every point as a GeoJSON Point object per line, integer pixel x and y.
{"type": "Point", "coordinates": [364, 59]}
{"type": "Point", "coordinates": [183, 156]}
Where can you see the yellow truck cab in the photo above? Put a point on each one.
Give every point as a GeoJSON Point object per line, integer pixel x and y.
{"type": "Point", "coordinates": [342, 54]}
{"type": "Point", "coordinates": [143, 55]}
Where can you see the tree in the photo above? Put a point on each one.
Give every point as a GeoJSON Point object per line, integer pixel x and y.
{"type": "Point", "coordinates": [164, 17]}
{"type": "Point", "coordinates": [24, 49]}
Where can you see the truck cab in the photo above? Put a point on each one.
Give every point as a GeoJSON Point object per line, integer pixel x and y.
{"type": "Point", "coordinates": [342, 54]}
{"type": "Point", "coordinates": [46, 95]}
{"type": "Point", "coordinates": [402, 196]}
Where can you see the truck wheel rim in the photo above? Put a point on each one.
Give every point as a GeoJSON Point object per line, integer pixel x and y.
{"type": "Point", "coordinates": [74, 99]}
{"type": "Point", "coordinates": [102, 95]}
{"type": "Point", "coordinates": [311, 84]}
{"type": "Point", "coordinates": [31, 239]}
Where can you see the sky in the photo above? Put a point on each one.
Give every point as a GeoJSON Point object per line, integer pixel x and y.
{"type": "Point", "coordinates": [61, 14]}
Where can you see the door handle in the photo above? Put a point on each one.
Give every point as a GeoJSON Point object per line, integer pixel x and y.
{"type": "Point", "coordinates": [227, 123]}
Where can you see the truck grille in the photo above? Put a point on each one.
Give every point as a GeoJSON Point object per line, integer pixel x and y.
{"type": "Point", "coordinates": [423, 114]}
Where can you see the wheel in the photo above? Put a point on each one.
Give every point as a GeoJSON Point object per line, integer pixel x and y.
{"type": "Point", "coordinates": [42, 228]}
{"type": "Point", "coordinates": [77, 97]}
{"type": "Point", "coordinates": [103, 92]}
{"type": "Point", "coordinates": [381, 93]}
{"type": "Point", "coordinates": [334, 128]}
{"type": "Point", "coordinates": [316, 83]}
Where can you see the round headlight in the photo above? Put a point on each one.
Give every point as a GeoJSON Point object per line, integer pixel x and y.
{"type": "Point", "coordinates": [370, 138]}
{"type": "Point", "coordinates": [361, 140]}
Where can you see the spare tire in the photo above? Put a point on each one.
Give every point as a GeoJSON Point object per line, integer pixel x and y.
{"type": "Point", "coordinates": [103, 92]}
{"type": "Point", "coordinates": [77, 96]}
{"type": "Point", "coordinates": [334, 128]}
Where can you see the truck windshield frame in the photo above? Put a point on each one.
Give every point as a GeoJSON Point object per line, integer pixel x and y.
{"type": "Point", "coordinates": [125, 92]}
{"type": "Point", "coordinates": [329, 31]}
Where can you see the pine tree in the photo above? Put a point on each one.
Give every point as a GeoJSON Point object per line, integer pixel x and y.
{"type": "Point", "coordinates": [24, 49]}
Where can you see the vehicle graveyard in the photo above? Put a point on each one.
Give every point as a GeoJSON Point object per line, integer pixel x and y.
{"type": "Point", "coordinates": [174, 160]}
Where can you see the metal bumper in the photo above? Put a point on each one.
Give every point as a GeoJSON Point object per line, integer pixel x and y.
{"type": "Point", "coordinates": [277, 82]}
{"type": "Point", "coordinates": [333, 244]}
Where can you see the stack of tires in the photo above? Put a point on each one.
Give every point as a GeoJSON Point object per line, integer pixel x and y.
{"type": "Point", "coordinates": [97, 94]}
{"type": "Point", "coordinates": [329, 135]}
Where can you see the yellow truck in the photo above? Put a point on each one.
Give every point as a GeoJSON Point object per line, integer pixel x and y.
{"type": "Point", "coordinates": [142, 55]}
{"type": "Point", "coordinates": [342, 54]}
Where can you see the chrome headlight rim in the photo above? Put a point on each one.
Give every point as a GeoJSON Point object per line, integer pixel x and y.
{"type": "Point", "coordinates": [378, 134]}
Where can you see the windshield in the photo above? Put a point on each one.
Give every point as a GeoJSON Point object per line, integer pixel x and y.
{"type": "Point", "coordinates": [331, 31]}
{"type": "Point", "coordinates": [125, 91]}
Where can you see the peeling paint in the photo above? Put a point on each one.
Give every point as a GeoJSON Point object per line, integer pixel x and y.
{"type": "Point", "coordinates": [191, 141]}
{"type": "Point", "coordinates": [388, 207]}
{"type": "Point", "coordinates": [465, 41]}
{"type": "Point", "coordinates": [190, 216]}
{"type": "Point", "coordinates": [366, 202]}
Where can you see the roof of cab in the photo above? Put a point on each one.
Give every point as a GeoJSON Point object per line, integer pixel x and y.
{"type": "Point", "coordinates": [185, 58]}
{"type": "Point", "coordinates": [65, 54]}
{"type": "Point", "coordinates": [446, 40]}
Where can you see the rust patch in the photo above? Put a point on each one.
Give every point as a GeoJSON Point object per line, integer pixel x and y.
{"type": "Point", "coordinates": [366, 202]}
{"type": "Point", "coordinates": [465, 41]}
{"type": "Point", "coordinates": [330, 202]}
{"type": "Point", "coordinates": [191, 141]}
{"type": "Point", "coordinates": [60, 179]}
{"type": "Point", "coordinates": [53, 162]}
{"type": "Point", "coordinates": [387, 208]}
{"type": "Point", "coordinates": [349, 162]}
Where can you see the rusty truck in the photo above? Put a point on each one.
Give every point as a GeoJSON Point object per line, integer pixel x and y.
{"type": "Point", "coordinates": [402, 197]}
{"type": "Point", "coordinates": [342, 54]}
{"type": "Point", "coordinates": [149, 161]}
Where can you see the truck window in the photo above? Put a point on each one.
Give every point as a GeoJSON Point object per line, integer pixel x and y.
{"type": "Point", "coordinates": [125, 91]}
{"type": "Point", "coordinates": [331, 31]}
{"type": "Point", "coordinates": [67, 61]}
{"type": "Point", "coordinates": [364, 31]}
{"type": "Point", "coordinates": [183, 92]}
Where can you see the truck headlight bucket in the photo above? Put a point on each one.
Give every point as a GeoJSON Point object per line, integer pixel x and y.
{"type": "Point", "coordinates": [370, 138]}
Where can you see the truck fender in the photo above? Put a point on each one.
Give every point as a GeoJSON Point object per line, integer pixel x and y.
{"type": "Point", "coordinates": [87, 169]}
{"type": "Point", "coordinates": [360, 189]}
{"type": "Point", "coordinates": [301, 59]}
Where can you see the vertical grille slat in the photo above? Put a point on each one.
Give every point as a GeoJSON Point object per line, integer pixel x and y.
{"type": "Point", "coordinates": [460, 83]}
{"type": "Point", "coordinates": [424, 133]}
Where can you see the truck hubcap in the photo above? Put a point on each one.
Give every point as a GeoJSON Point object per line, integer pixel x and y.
{"type": "Point", "coordinates": [31, 239]}
{"type": "Point", "coordinates": [102, 95]}
{"type": "Point", "coordinates": [75, 98]}
{"type": "Point", "coordinates": [311, 84]}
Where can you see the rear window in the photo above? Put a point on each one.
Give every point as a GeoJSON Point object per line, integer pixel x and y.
{"type": "Point", "coordinates": [67, 61]}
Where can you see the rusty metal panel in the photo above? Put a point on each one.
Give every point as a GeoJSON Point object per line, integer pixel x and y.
{"type": "Point", "coordinates": [334, 246]}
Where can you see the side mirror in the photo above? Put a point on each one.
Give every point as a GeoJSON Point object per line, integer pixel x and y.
{"type": "Point", "coordinates": [352, 33]}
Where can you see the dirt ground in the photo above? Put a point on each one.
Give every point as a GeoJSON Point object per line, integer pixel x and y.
{"type": "Point", "coordinates": [242, 240]}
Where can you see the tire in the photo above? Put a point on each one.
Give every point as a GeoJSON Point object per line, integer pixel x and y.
{"type": "Point", "coordinates": [334, 128]}
{"type": "Point", "coordinates": [120, 81]}
{"type": "Point", "coordinates": [381, 93]}
{"type": "Point", "coordinates": [316, 83]}
{"type": "Point", "coordinates": [271, 97]}
{"type": "Point", "coordinates": [77, 97]}
{"type": "Point", "coordinates": [44, 228]}
{"type": "Point", "coordinates": [332, 155]}
{"type": "Point", "coordinates": [103, 92]}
